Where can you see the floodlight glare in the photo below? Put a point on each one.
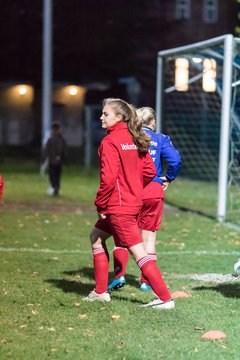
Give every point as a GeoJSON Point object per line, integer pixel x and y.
{"type": "Point", "coordinates": [209, 75]}
{"type": "Point", "coordinates": [196, 60]}
{"type": "Point", "coordinates": [181, 74]}
{"type": "Point", "coordinates": [73, 91]}
{"type": "Point", "coordinates": [22, 90]}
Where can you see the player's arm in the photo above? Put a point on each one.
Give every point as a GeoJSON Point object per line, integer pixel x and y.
{"type": "Point", "coordinates": [171, 155]}
{"type": "Point", "coordinates": [109, 167]}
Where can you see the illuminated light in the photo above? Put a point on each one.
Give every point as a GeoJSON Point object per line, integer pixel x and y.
{"type": "Point", "coordinates": [73, 91]}
{"type": "Point", "coordinates": [209, 75]}
{"type": "Point", "coordinates": [71, 95]}
{"type": "Point", "coordinates": [181, 74]}
{"type": "Point", "coordinates": [22, 90]}
{"type": "Point", "coordinates": [19, 94]}
{"type": "Point", "coordinates": [196, 60]}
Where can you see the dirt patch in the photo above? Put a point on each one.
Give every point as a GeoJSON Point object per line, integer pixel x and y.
{"type": "Point", "coordinates": [46, 207]}
{"type": "Point", "coordinates": [62, 208]}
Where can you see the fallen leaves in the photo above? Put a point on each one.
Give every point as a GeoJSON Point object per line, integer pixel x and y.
{"type": "Point", "coordinates": [35, 273]}
{"type": "Point", "coordinates": [120, 345]}
{"type": "Point", "coordinates": [22, 326]}
{"type": "Point", "coordinates": [174, 243]}
{"type": "Point", "coordinates": [89, 333]}
{"type": "Point", "coordinates": [77, 304]}
{"type": "Point", "coordinates": [51, 329]}
{"type": "Point", "coordinates": [198, 328]}
{"type": "Point", "coordinates": [82, 316]}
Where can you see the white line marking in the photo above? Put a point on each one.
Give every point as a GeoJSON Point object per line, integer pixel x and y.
{"type": "Point", "coordinates": [161, 253]}
{"type": "Point", "coordinates": [34, 250]}
{"type": "Point", "coordinates": [200, 252]}
{"type": "Point", "coordinates": [212, 277]}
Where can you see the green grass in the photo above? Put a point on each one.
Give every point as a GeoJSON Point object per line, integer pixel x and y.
{"type": "Point", "coordinates": [46, 270]}
{"type": "Point", "coordinates": [195, 195]}
{"type": "Point", "coordinates": [202, 198]}
{"type": "Point", "coordinates": [24, 184]}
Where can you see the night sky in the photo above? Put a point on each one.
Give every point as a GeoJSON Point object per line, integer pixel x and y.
{"type": "Point", "coordinates": [94, 40]}
{"type": "Point", "coordinates": [91, 39]}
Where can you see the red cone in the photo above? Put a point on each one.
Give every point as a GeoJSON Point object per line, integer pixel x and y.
{"type": "Point", "coordinates": [214, 335]}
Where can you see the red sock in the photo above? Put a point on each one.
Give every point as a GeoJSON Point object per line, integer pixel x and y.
{"type": "Point", "coordinates": [100, 263]}
{"type": "Point", "coordinates": [120, 259]}
{"type": "Point", "coordinates": [152, 273]}
{"type": "Point", "coordinates": [153, 257]}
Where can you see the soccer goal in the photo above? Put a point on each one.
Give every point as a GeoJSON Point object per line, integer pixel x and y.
{"type": "Point", "coordinates": [198, 105]}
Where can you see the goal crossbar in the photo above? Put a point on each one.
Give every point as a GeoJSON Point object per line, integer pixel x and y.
{"type": "Point", "coordinates": [228, 43]}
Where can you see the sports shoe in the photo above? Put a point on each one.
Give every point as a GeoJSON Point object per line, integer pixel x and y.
{"type": "Point", "coordinates": [145, 287]}
{"type": "Point", "coordinates": [236, 269]}
{"type": "Point", "coordinates": [117, 283]}
{"type": "Point", "coordinates": [50, 191]}
{"type": "Point", "coordinates": [159, 304]}
{"type": "Point", "coordinates": [93, 296]}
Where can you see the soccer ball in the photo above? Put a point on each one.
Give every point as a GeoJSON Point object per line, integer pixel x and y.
{"type": "Point", "coordinates": [236, 268]}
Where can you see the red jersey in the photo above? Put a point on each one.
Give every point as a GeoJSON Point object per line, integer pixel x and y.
{"type": "Point", "coordinates": [124, 172]}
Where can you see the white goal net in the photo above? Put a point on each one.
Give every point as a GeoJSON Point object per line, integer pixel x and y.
{"type": "Point", "coordinates": [198, 105]}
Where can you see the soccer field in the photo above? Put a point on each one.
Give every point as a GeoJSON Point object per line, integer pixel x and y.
{"type": "Point", "coordinates": [46, 269]}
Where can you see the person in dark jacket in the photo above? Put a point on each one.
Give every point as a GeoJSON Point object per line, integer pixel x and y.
{"type": "Point", "coordinates": [55, 152]}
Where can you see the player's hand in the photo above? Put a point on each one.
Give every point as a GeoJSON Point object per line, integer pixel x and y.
{"type": "Point", "coordinates": [101, 216]}
{"type": "Point", "coordinates": [165, 182]}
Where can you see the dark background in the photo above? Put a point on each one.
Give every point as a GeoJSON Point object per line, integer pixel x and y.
{"type": "Point", "coordinates": [102, 41]}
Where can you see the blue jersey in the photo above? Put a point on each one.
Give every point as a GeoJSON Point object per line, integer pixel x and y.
{"type": "Point", "coordinates": [162, 148]}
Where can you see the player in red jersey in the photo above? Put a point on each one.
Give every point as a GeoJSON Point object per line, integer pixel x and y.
{"type": "Point", "coordinates": [150, 216]}
{"type": "Point", "coordinates": [126, 168]}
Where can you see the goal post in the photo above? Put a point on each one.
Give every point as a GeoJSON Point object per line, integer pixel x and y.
{"type": "Point", "coordinates": [225, 126]}
{"type": "Point", "coordinates": [197, 104]}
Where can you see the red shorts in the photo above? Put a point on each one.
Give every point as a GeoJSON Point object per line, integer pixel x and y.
{"type": "Point", "coordinates": [150, 216]}
{"type": "Point", "coordinates": [123, 227]}
{"type": "Point", "coordinates": [104, 225]}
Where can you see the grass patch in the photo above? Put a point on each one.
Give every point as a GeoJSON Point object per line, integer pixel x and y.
{"type": "Point", "coordinates": [46, 270]}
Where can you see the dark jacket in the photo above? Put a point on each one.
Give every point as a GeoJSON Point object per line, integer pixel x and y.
{"type": "Point", "coordinates": [55, 149]}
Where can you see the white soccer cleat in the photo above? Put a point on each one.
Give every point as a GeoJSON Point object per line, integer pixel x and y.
{"type": "Point", "coordinates": [236, 269]}
{"type": "Point", "coordinates": [159, 304]}
{"type": "Point", "coordinates": [93, 296]}
{"type": "Point", "coordinates": [50, 191]}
